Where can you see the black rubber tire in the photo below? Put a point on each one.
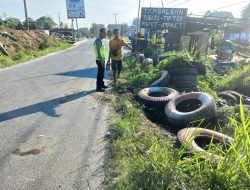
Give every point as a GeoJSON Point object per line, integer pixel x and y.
{"type": "Point", "coordinates": [185, 84]}
{"type": "Point", "coordinates": [204, 112]}
{"type": "Point", "coordinates": [183, 71]}
{"type": "Point", "coordinates": [187, 137]}
{"type": "Point", "coordinates": [156, 102]}
{"type": "Point", "coordinates": [148, 62]}
{"type": "Point", "coordinates": [238, 96]}
{"type": "Point", "coordinates": [230, 98]}
{"type": "Point", "coordinates": [193, 89]}
{"type": "Point", "coordinates": [141, 58]}
{"type": "Point", "coordinates": [163, 80]}
{"type": "Point", "coordinates": [201, 68]}
{"type": "Point", "coordinates": [184, 78]}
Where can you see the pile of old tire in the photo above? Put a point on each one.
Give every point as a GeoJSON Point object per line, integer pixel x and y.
{"type": "Point", "coordinates": [191, 107]}
{"type": "Point", "coordinates": [196, 138]}
{"type": "Point", "coordinates": [155, 99]}
{"type": "Point", "coordinates": [184, 79]}
{"type": "Point", "coordinates": [234, 98]}
{"type": "Point", "coordinates": [164, 79]}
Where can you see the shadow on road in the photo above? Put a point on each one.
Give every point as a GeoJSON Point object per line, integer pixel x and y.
{"type": "Point", "coordinates": [47, 107]}
{"type": "Point", "coordinates": [83, 73]}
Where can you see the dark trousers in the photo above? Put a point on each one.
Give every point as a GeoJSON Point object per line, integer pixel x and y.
{"type": "Point", "coordinates": [100, 75]}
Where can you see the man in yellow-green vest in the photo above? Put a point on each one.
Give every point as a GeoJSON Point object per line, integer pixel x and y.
{"type": "Point", "coordinates": [100, 54]}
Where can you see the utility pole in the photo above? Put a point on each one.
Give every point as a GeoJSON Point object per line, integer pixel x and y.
{"type": "Point", "coordinates": [162, 3]}
{"type": "Point", "coordinates": [138, 24]}
{"type": "Point", "coordinates": [26, 14]}
{"type": "Point", "coordinates": [115, 14]}
{"type": "Point", "coordinates": [59, 19]}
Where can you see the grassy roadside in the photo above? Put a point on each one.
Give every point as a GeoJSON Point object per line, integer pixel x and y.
{"type": "Point", "coordinates": [144, 157]}
{"type": "Point", "coordinates": [45, 48]}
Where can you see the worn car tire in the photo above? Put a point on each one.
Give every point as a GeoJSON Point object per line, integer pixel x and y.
{"type": "Point", "coordinates": [148, 62]}
{"type": "Point", "coordinates": [187, 137]}
{"type": "Point", "coordinates": [184, 78]}
{"type": "Point", "coordinates": [190, 107]}
{"type": "Point", "coordinates": [164, 96]}
{"type": "Point", "coordinates": [184, 71]}
{"type": "Point", "coordinates": [185, 84]}
{"type": "Point", "coordinates": [163, 80]}
{"type": "Point", "coordinates": [230, 98]}
{"type": "Point", "coordinates": [201, 68]}
{"type": "Point", "coordinates": [141, 58]}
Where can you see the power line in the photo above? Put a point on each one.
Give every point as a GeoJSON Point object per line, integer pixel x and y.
{"type": "Point", "coordinates": [222, 7]}
{"type": "Point", "coordinates": [181, 3]}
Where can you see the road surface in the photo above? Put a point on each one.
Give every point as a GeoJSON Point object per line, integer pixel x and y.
{"type": "Point", "coordinates": [51, 126]}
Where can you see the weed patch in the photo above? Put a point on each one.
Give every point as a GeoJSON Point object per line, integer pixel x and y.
{"type": "Point", "coordinates": [28, 54]}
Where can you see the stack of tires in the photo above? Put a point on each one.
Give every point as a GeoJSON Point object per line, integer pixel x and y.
{"type": "Point", "coordinates": [181, 111]}
{"type": "Point", "coordinates": [185, 79]}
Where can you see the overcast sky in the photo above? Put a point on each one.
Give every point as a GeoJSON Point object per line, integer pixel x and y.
{"type": "Point", "coordinates": [100, 11]}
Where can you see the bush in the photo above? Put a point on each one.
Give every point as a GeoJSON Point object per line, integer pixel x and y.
{"type": "Point", "coordinates": [44, 44]}
{"type": "Point", "coordinates": [19, 56]}
{"type": "Point", "coordinates": [237, 80]}
{"type": "Point", "coordinates": [5, 61]}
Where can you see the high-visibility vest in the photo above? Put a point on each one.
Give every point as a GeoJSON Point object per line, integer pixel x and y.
{"type": "Point", "coordinates": [102, 50]}
{"type": "Point", "coordinates": [154, 38]}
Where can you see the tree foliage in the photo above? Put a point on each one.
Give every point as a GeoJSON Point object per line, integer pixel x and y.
{"type": "Point", "coordinates": [32, 24]}
{"type": "Point", "coordinates": [84, 31]}
{"type": "Point", "coordinates": [245, 14]}
{"type": "Point", "coordinates": [94, 30]}
{"type": "Point", "coordinates": [13, 23]}
{"type": "Point", "coordinates": [45, 23]}
{"type": "Point", "coordinates": [218, 14]}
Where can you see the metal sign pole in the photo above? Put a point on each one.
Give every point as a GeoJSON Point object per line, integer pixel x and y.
{"type": "Point", "coordinates": [77, 30]}
{"type": "Point", "coordinates": [138, 24]}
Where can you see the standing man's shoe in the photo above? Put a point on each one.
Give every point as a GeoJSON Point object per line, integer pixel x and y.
{"type": "Point", "coordinates": [100, 90]}
{"type": "Point", "coordinates": [104, 86]}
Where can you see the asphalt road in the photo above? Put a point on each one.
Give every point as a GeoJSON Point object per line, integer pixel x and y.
{"type": "Point", "coordinates": [52, 127]}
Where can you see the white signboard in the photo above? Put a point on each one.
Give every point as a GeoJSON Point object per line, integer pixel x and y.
{"type": "Point", "coordinates": [75, 8]}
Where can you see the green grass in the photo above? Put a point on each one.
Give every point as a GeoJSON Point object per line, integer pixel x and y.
{"type": "Point", "coordinates": [142, 157]}
{"type": "Point", "coordinates": [238, 80]}
{"type": "Point", "coordinates": [45, 48]}
{"type": "Point", "coordinates": [232, 170]}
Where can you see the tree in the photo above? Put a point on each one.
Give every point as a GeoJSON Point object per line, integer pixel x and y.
{"type": "Point", "coordinates": [45, 23]}
{"type": "Point", "coordinates": [84, 31]}
{"type": "Point", "coordinates": [218, 15]}
{"type": "Point", "coordinates": [109, 33]}
{"type": "Point", "coordinates": [124, 29]}
{"type": "Point", "coordinates": [32, 24]}
{"type": "Point", "coordinates": [245, 14]}
{"type": "Point", "coordinates": [13, 23]}
{"type": "Point", "coordinates": [113, 26]}
{"type": "Point", "coordinates": [94, 30]}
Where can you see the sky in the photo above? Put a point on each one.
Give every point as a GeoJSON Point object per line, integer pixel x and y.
{"type": "Point", "coordinates": [101, 11]}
